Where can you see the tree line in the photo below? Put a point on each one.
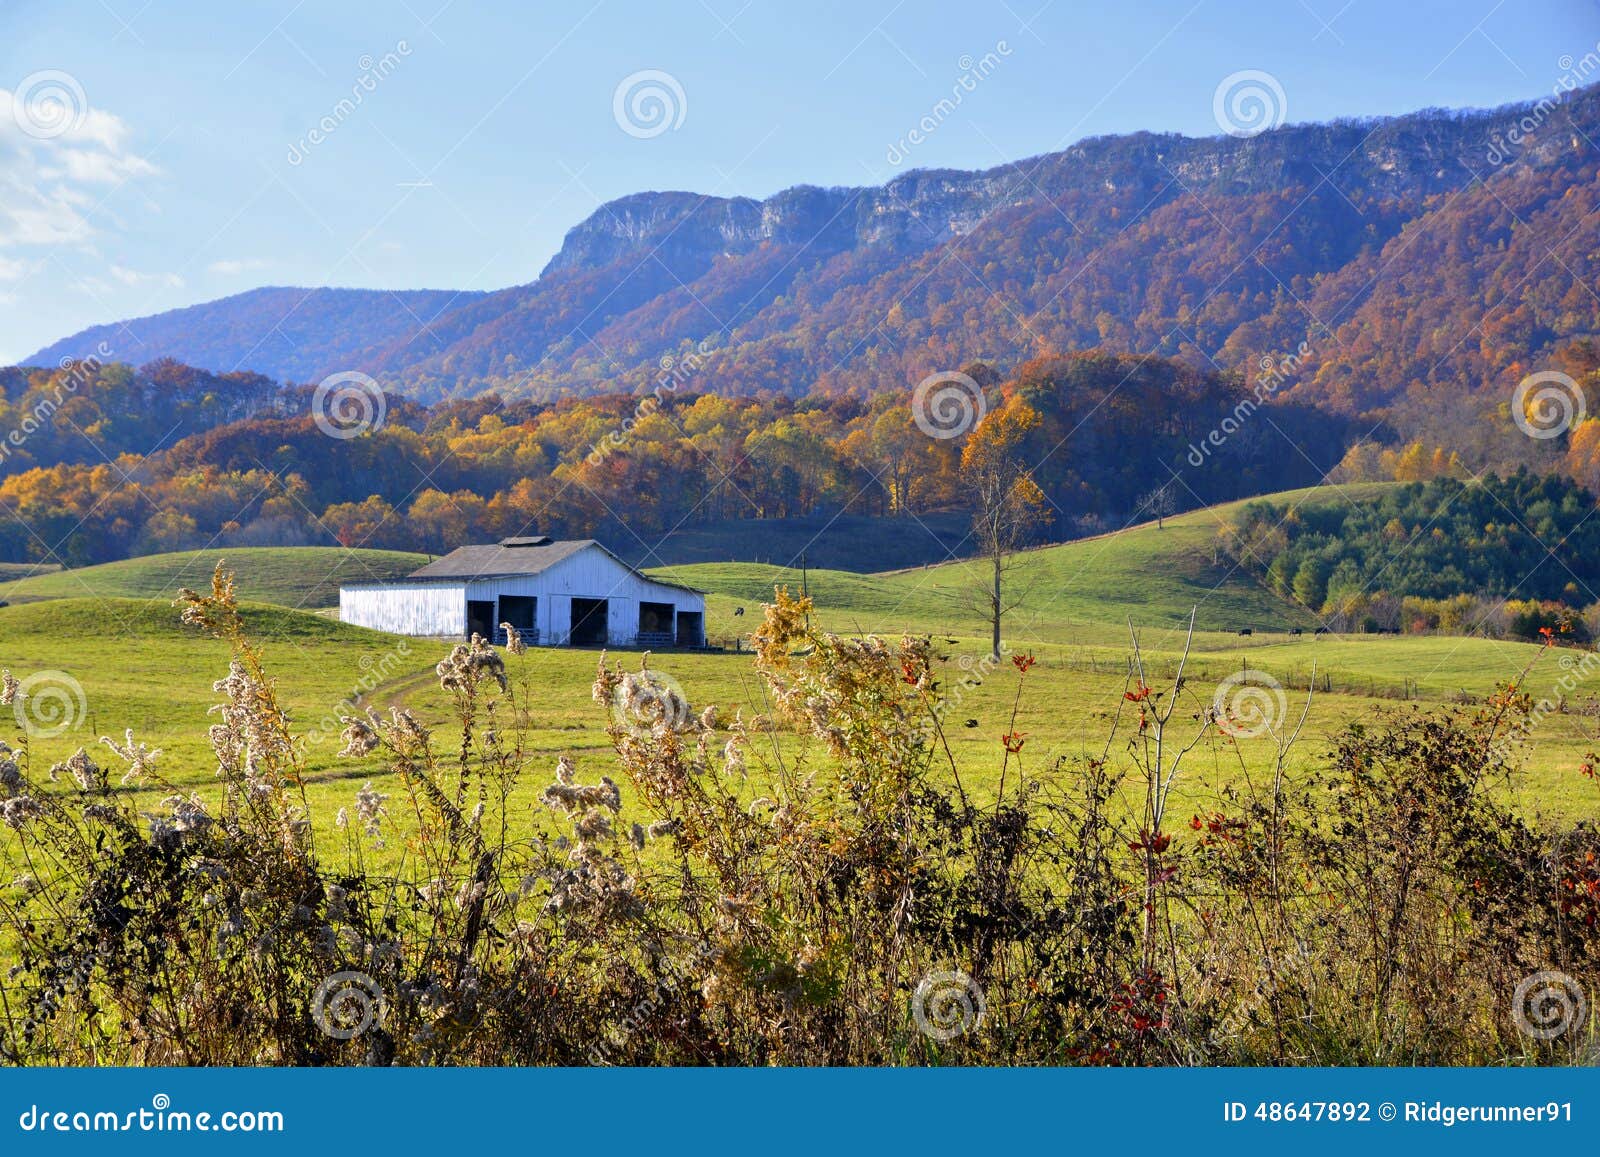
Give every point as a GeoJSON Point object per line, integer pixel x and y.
{"type": "Point", "coordinates": [1505, 555]}
{"type": "Point", "coordinates": [167, 457]}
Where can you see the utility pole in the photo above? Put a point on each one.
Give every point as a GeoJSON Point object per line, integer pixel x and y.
{"type": "Point", "coordinates": [805, 586]}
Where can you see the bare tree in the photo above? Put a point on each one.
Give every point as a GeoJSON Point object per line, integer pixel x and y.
{"type": "Point", "coordinates": [1160, 502]}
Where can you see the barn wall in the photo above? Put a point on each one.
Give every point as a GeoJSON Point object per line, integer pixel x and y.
{"type": "Point", "coordinates": [406, 608]}
{"type": "Point", "coordinates": [591, 574]}
{"type": "Point", "coordinates": [623, 619]}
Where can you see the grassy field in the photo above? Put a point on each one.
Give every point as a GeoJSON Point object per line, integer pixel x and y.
{"type": "Point", "coordinates": [155, 677]}
{"type": "Point", "coordinates": [307, 576]}
{"type": "Point", "coordinates": [137, 667]}
{"type": "Point", "coordinates": [1153, 575]}
{"type": "Point", "coordinates": [849, 542]}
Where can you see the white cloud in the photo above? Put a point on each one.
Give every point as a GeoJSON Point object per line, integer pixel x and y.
{"type": "Point", "coordinates": [102, 128]}
{"type": "Point", "coordinates": [97, 168]}
{"type": "Point", "coordinates": [54, 178]}
{"type": "Point", "coordinates": [134, 278]}
{"type": "Point", "coordinates": [33, 218]}
{"type": "Point", "coordinates": [234, 267]}
{"type": "Point", "coordinates": [92, 286]}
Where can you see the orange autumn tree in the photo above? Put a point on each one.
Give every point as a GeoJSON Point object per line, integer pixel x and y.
{"type": "Point", "coordinates": [1583, 454]}
{"type": "Point", "coordinates": [1007, 505]}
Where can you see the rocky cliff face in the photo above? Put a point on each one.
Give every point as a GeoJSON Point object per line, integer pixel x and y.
{"type": "Point", "coordinates": [1405, 158]}
{"type": "Point", "coordinates": [912, 212]}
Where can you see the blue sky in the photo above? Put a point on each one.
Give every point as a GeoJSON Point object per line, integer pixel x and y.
{"type": "Point", "coordinates": [183, 168]}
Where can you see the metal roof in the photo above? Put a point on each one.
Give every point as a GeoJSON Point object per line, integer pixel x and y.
{"type": "Point", "coordinates": [497, 559]}
{"type": "Point", "coordinates": [517, 556]}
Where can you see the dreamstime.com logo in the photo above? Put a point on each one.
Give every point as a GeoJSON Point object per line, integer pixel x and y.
{"type": "Point", "coordinates": [1249, 704]}
{"type": "Point", "coordinates": [948, 1004]}
{"type": "Point", "coordinates": [973, 72]}
{"type": "Point", "coordinates": [689, 971]}
{"type": "Point", "coordinates": [947, 405]}
{"type": "Point", "coordinates": [347, 1004]}
{"type": "Point", "coordinates": [1575, 671]}
{"type": "Point", "coordinates": [46, 703]}
{"type": "Point", "coordinates": [371, 73]}
{"type": "Point", "coordinates": [675, 372]}
{"type": "Point", "coordinates": [75, 374]}
{"type": "Point", "coordinates": [1275, 373]}
{"type": "Point", "coordinates": [374, 672]}
{"type": "Point", "coordinates": [1547, 404]}
{"type": "Point", "coordinates": [160, 1117]}
{"type": "Point", "coordinates": [1507, 145]}
{"type": "Point", "coordinates": [973, 672]}
{"type": "Point", "coordinates": [649, 102]}
{"type": "Point", "coordinates": [1249, 103]}
{"type": "Point", "coordinates": [645, 700]}
{"type": "Point", "coordinates": [1547, 1005]}
{"type": "Point", "coordinates": [49, 104]}
{"type": "Point", "coordinates": [348, 404]}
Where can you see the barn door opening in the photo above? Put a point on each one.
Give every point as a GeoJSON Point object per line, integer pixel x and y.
{"type": "Point", "coordinates": [480, 618]}
{"type": "Point", "coordinates": [691, 629]}
{"type": "Point", "coordinates": [588, 623]}
{"type": "Point", "coordinates": [655, 625]}
{"type": "Point", "coordinates": [521, 611]}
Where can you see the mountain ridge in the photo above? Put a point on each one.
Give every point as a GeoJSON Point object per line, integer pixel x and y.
{"type": "Point", "coordinates": [1208, 248]}
{"type": "Point", "coordinates": [165, 334]}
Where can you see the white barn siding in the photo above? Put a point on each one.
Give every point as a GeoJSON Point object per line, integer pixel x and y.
{"type": "Point", "coordinates": [440, 607]}
{"type": "Point", "coordinates": [406, 608]}
{"type": "Point", "coordinates": [622, 618]}
{"type": "Point", "coordinates": [591, 574]}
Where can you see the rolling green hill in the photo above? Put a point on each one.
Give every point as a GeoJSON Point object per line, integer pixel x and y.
{"type": "Point", "coordinates": [145, 620]}
{"type": "Point", "coordinates": [299, 576]}
{"type": "Point", "coordinates": [1151, 574]}
{"type": "Point", "coordinates": [848, 542]}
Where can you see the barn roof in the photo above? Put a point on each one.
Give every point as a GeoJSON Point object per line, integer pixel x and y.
{"type": "Point", "coordinates": [518, 556]}
{"type": "Point", "coordinates": [507, 557]}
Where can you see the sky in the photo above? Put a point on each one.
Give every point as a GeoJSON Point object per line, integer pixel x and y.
{"type": "Point", "coordinates": [158, 153]}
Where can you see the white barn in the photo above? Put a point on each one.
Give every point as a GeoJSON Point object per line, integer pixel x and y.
{"type": "Point", "coordinates": [556, 593]}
